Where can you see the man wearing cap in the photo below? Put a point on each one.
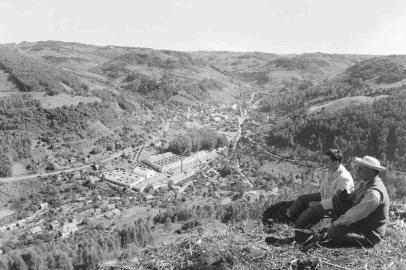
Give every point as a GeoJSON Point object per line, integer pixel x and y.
{"type": "Point", "coordinates": [309, 209]}
{"type": "Point", "coordinates": [364, 224]}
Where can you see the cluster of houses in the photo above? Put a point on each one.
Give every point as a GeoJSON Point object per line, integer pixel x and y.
{"type": "Point", "coordinates": [63, 230]}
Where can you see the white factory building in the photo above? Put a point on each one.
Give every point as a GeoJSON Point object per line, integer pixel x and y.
{"type": "Point", "coordinates": [143, 172]}
{"type": "Point", "coordinates": [164, 162]}
{"type": "Point", "coordinates": [167, 162]}
{"type": "Point", "coordinates": [121, 178]}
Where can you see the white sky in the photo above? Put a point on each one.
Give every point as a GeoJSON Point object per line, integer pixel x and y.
{"type": "Point", "coordinates": [279, 26]}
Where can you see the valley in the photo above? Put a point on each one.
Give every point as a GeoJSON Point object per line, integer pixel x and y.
{"type": "Point", "coordinates": [133, 158]}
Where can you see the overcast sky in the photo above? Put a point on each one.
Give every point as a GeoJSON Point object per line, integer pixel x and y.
{"type": "Point", "coordinates": [279, 26]}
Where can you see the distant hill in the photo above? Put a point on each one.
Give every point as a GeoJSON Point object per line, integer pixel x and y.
{"type": "Point", "coordinates": [159, 74]}
{"type": "Point", "coordinates": [186, 77]}
{"type": "Point", "coordinates": [270, 69]}
{"type": "Point", "coordinates": [379, 69]}
{"type": "Point", "coordinates": [376, 76]}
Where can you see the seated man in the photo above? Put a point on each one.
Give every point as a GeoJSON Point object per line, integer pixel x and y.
{"type": "Point", "coordinates": [364, 224]}
{"type": "Point", "coordinates": [309, 209]}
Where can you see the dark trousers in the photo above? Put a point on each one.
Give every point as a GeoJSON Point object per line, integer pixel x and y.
{"type": "Point", "coordinates": [352, 235]}
{"type": "Point", "coordinates": [304, 215]}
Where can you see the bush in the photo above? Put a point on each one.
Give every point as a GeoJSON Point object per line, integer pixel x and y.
{"type": "Point", "coordinates": [197, 139]}
{"type": "Point", "coordinates": [5, 165]}
{"type": "Point", "coordinates": [181, 145]}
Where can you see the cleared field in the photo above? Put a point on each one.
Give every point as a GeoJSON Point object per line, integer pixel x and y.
{"type": "Point", "coordinates": [375, 86]}
{"type": "Point", "coordinates": [52, 102]}
{"type": "Point", "coordinates": [343, 103]}
{"type": "Point", "coordinates": [19, 169]}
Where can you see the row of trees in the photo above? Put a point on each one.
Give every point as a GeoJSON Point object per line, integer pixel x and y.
{"type": "Point", "coordinates": [80, 251]}
{"type": "Point", "coordinates": [195, 140]}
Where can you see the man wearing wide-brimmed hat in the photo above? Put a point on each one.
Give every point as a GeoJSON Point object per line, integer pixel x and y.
{"type": "Point", "coordinates": [309, 209]}
{"type": "Point", "coordinates": [364, 223]}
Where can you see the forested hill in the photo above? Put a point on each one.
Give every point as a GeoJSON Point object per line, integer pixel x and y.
{"type": "Point", "coordinates": [370, 77]}
{"type": "Point", "coordinates": [377, 129]}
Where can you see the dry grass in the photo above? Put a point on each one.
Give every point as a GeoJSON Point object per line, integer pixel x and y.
{"type": "Point", "coordinates": [242, 246]}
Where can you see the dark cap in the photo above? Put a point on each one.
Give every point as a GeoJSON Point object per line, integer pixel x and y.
{"type": "Point", "coordinates": [335, 154]}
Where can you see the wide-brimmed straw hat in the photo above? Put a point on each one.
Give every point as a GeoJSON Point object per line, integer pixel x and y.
{"type": "Point", "coordinates": [370, 162]}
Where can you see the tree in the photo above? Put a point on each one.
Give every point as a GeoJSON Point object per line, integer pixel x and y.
{"type": "Point", "coordinates": [181, 145]}
{"type": "Point", "coordinates": [221, 141]}
{"type": "Point", "coordinates": [5, 164]}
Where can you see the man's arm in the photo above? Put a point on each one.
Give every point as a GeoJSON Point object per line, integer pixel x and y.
{"type": "Point", "coordinates": [368, 204]}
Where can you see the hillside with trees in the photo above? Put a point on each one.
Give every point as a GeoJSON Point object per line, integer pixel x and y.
{"type": "Point", "coordinates": [22, 118]}
{"type": "Point", "coordinates": [377, 130]}
{"type": "Point", "coordinates": [385, 73]}
{"type": "Point", "coordinates": [380, 69]}
{"type": "Point", "coordinates": [31, 74]}
{"type": "Point", "coordinates": [81, 251]}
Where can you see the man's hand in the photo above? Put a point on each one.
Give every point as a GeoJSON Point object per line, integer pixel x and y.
{"type": "Point", "coordinates": [314, 204]}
